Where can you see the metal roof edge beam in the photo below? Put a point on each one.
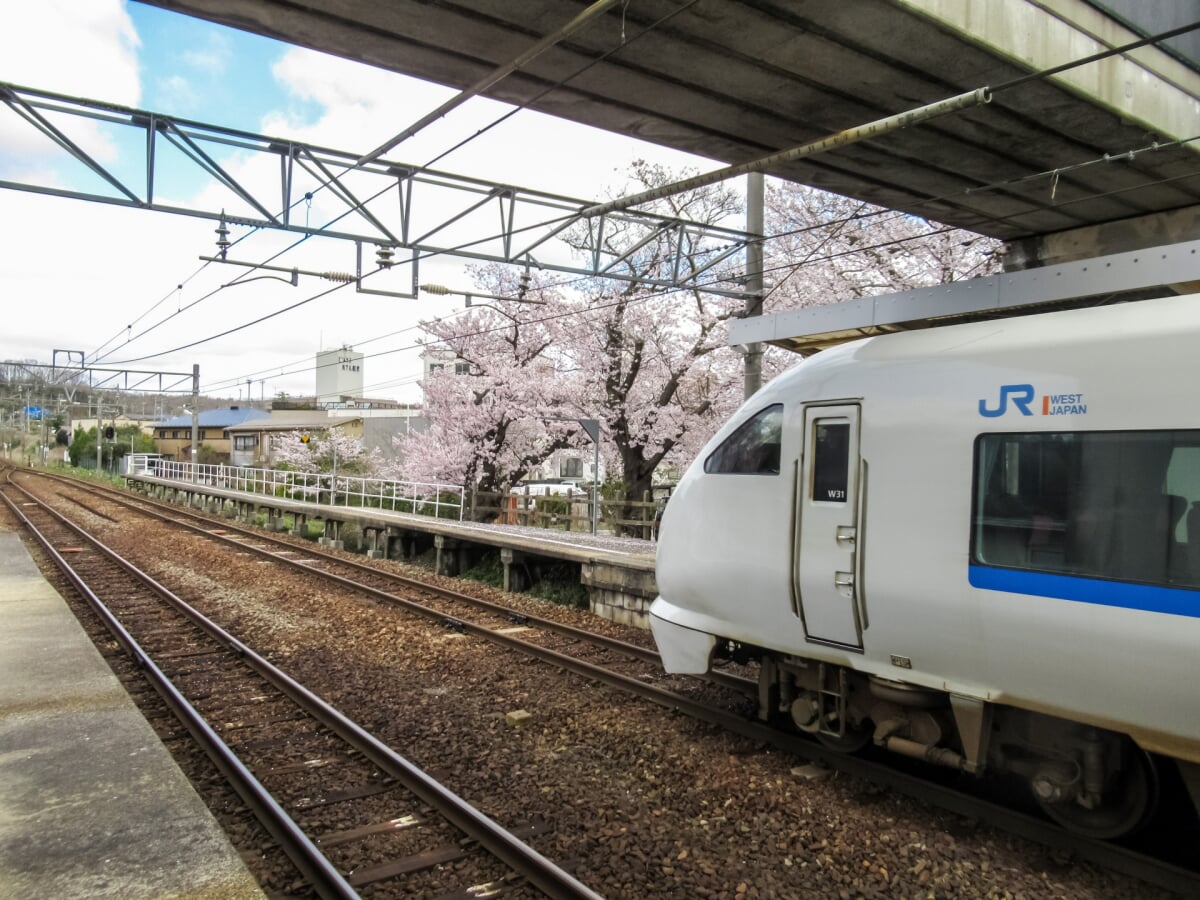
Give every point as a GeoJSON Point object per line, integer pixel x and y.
{"type": "Point", "coordinates": [831, 142]}
{"type": "Point", "coordinates": [492, 78]}
{"type": "Point", "coordinates": [1001, 295]}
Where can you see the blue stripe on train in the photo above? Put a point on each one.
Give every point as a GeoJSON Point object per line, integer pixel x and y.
{"type": "Point", "coordinates": [1174, 601]}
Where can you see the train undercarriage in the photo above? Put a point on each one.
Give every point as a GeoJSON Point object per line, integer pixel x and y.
{"type": "Point", "coordinates": [1090, 780]}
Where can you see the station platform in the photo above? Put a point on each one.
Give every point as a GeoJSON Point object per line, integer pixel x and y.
{"type": "Point", "coordinates": [91, 803]}
{"type": "Point", "coordinates": [618, 572]}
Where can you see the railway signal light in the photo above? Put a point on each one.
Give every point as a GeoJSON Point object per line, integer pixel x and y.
{"type": "Point", "coordinates": [109, 432]}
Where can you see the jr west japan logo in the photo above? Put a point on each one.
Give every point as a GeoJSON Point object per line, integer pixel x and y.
{"type": "Point", "coordinates": [1021, 397]}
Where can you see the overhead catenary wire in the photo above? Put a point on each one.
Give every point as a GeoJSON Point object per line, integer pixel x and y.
{"type": "Point", "coordinates": [327, 182]}
{"type": "Point", "coordinates": [862, 216]}
{"type": "Point", "coordinates": [873, 129]}
{"type": "Point", "coordinates": [589, 309]}
{"type": "Point", "coordinates": [976, 95]}
{"type": "Point", "coordinates": [1106, 158]}
{"type": "Point", "coordinates": [585, 17]}
{"type": "Point", "coordinates": [1005, 86]}
{"type": "Point", "coordinates": [788, 267]}
{"type": "Point", "coordinates": [791, 267]}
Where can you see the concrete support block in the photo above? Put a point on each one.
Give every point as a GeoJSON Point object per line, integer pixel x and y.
{"type": "Point", "coordinates": [516, 575]}
{"type": "Point", "coordinates": [451, 555]}
{"type": "Point", "coordinates": [330, 538]}
{"type": "Point", "coordinates": [377, 545]}
{"type": "Point", "coordinates": [506, 559]}
{"type": "Point", "coordinates": [393, 543]}
{"type": "Point", "coordinates": [622, 595]}
{"type": "Point", "coordinates": [375, 539]}
{"type": "Point", "coordinates": [299, 524]}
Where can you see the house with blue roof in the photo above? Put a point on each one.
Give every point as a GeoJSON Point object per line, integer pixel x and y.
{"type": "Point", "coordinates": [173, 437]}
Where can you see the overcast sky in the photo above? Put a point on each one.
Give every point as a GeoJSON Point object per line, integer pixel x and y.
{"type": "Point", "coordinates": [81, 276]}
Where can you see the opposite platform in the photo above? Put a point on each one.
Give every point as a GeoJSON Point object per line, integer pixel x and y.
{"type": "Point", "coordinates": [91, 803]}
{"type": "Point", "coordinates": [618, 572]}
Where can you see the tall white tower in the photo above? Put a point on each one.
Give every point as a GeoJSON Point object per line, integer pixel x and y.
{"type": "Point", "coordinates": [339, 374]}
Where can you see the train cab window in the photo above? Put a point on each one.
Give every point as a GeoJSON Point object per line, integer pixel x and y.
{"type": "Point", "coordinates": [1123, 506]}
{"type": "Point", "coordinates": [753, 449]}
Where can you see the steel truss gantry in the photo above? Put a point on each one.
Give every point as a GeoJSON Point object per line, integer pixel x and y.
{"type": "Point", "coordinates": [391, 205]}
{"type": "Point", "coordinates": [76, 374]}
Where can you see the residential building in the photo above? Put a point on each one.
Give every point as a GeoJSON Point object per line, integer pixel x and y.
{"type": "Point", "coordinates": [254, 441]}
{"type": "Point", "coordinates": [173, 437]}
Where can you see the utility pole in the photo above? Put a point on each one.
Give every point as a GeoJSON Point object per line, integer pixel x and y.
{"type": "Point", "coordinates": [592, 427]}
{"type": "Point", "coordinates": [195, 418]}
{"type": "Point", "coordinates": [754, 275]}
{"type": "Point", "coordinates": [99, 430]}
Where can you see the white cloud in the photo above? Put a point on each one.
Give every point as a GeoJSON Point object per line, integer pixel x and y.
{"type": "Point", "coordinates": [176, 92]}
{"type": "Point", "coordinates": [80, 49]}
{"type": "Point", "coordinates": [213, 57]}
{"type": "Point", "coordinates": [364, 106]}
{"type": "Point", "coordinates": [74, 274]}
{"type": "Point", "coordinates": [83, 49]}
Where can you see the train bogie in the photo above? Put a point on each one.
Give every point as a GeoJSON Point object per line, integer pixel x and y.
{"type": "Point", "coordinates": [978, 545]}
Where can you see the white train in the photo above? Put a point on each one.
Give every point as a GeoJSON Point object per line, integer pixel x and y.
{"type": "Point", "coordinates": [976, 544]}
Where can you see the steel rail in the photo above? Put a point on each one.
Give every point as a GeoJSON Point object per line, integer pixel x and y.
{"type": "Point", "coordinates": [1107, 855]}
{"type": "Point", "coordinates": [303, 853]}
{"type": "Point", "coordinates": [726, 680]}
{"type": "Point", "coordinates": [538, 870]}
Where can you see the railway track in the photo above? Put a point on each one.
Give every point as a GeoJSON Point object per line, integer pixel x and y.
{"type": "Point", "coordinates": [598, 656]}
{"type": "Point", "coordinates": [345, 808]}
{"type": "Point", "coordinates": [625, 667]}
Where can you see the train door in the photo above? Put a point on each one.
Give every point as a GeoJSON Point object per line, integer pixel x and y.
{"type": "Point", "coordinates": [828, 534]}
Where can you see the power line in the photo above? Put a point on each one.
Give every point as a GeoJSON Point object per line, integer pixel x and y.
{"type": "Point", "coordinates": [1004, 86]}
{"type": "Point", "coordinates": [322, 185]}
{"type": "Point", "coordinates": [229, 331]}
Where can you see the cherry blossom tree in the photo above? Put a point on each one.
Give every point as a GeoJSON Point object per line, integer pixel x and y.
{"type": "Point", "coordinates": [824, 248]}
{"type": "Point", "coordinates": [498, 421]}
{"type": "Point", "coordinates": [651, 364]}
{"type": "Point", "coordinates": [319, 452]}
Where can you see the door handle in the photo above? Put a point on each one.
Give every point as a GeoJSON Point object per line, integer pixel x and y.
{"type": "Point", "coordinates": [843, 580]}
{"type": "Point", "coordinates": [846, 534]}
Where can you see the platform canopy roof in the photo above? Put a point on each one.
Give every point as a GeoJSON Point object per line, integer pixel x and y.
{"type": "Point", "coordinates": [738, 80]}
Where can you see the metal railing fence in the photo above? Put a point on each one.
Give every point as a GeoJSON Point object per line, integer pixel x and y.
{"type": "Point", "coordinates": [442, 501]}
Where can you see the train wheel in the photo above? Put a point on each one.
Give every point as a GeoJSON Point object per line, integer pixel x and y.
{"type": "Point", "coordinates": [1128, 803]}
{"type": "Point", "coordinates": [855, 738]}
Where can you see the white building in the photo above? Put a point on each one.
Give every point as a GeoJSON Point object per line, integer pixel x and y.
{"type": "Point", "coordinates": [436, 359]}
{"type": "Point", "coordinates": [339, 374]}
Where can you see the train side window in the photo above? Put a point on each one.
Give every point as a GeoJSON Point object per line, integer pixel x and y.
{"type": "Point", "coordinates": [1123, 506]}
{"type": "Point", "coordinates": [753, 449]}
{"type": "Point", "coordinates": [831, 460]}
